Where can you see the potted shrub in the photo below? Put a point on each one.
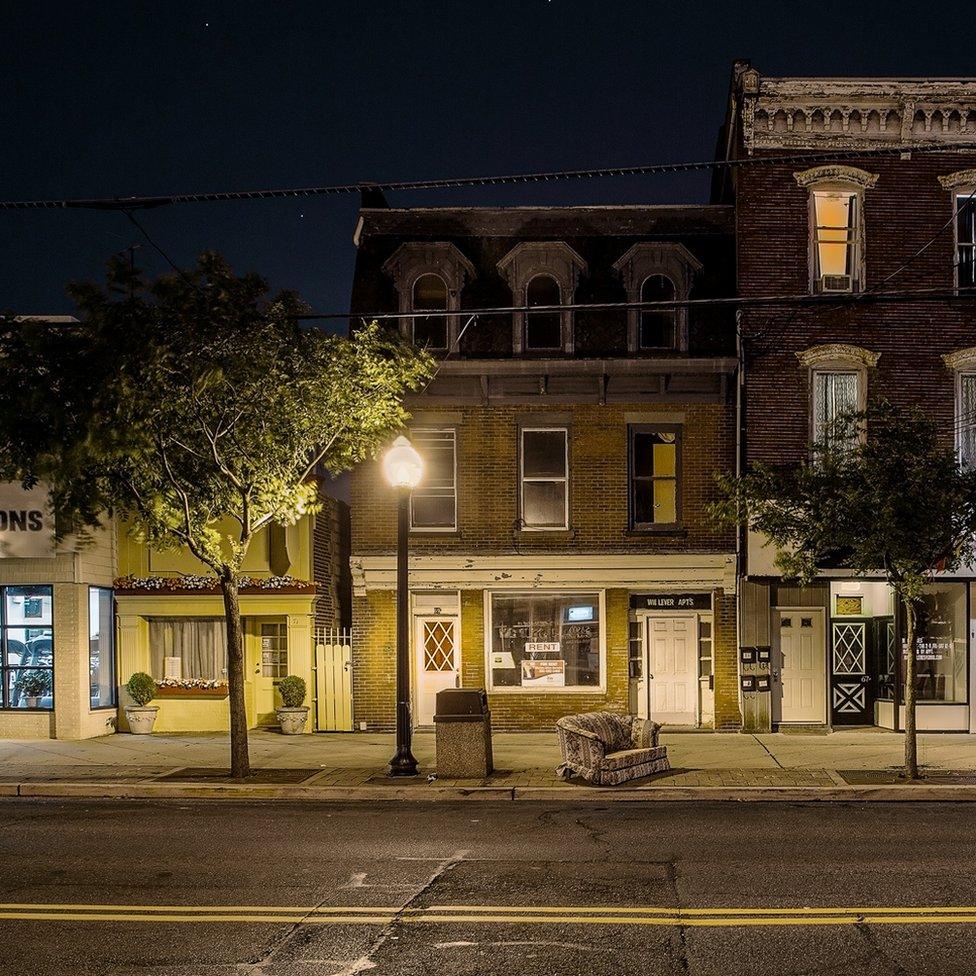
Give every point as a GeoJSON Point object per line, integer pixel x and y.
{"type": "Point", "coordinates": [35, 685]}
{"type": "Point", "coordinates": [141, 716]}
{"type": "Point", "coordinates": [293, 714]}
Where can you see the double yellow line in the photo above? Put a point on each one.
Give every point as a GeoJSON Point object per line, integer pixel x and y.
{"type": "Point", "coordinates": [489, 914]}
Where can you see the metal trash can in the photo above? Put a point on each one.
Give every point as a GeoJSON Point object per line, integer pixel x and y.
{"type": "Point", "coordinates": [463, 726]}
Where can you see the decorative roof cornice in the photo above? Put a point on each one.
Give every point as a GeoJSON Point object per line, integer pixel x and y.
{"type": "Point", "coordinates": [962, 177]}
{"type": "Point", "coordinates": [960, 360]}
{"type": "Point", "coordinates": [838, 354]}
{"type": "Point", "coordinates": [836, 172]}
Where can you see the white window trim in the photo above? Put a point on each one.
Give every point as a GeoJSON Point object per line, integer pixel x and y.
{"type": "Point", "coordinates": [601, 596]}
{"type": "Point", "coordinates": [423, 529]}
{"type": "Point", "coordinates": [836, 358]}
{"type": "Point", "coordinates": [964, 193]}
{"type": "Point", "coordinates": [523, 527]}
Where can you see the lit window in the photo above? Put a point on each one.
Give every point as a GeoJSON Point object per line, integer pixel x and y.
{"type": "Point", "coordinates": [966, 418]}
{"type": "Point", "coordinates": [430, 295]}
{"type": "Point", "coordinates": [654, 476]}
{"type": "Point", "coordinates": [835, 398]}
{"type": "Point", "coordinates": [545, 488]}
{"type": "Point", "coordinates": [545, 641]}
{"type": "Point", "coordinates": [836, 240]}
{"type": "Point", "coordinates": [101, 647]}
{"type": "Point", "coordinates": [657, 326]}
{"type": "Point", "coordinates": [966, 239]}
{"type": "Point", "coordinates": [28, 646]}
{"type": "Point", "coordinates": [274, 649]}
{"type": "Point", "coordinates": [543, 330]}
{"type": "Point", "coordinates": [433, 504]}
{"type": "Point", "coordinates": [188, 647]}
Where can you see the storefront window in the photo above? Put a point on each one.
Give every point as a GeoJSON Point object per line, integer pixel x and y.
{"type": "Point", "coordinates": [28, 647]}
{"type": "Point", "coordinates": [188, 647]}
{"type": "Point", "coordinates": [545, 641]}
{"type": "Point", "coordinates": [101, 646]}
{"type": "Point", "coordinates": [941, 645]}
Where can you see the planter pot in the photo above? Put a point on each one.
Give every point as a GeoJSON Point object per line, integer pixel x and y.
{"type": "Point", "coordinates": [32, 701]}
{"type": "Point", "coordinates": [292, 720]}
{"type": "Point", "coordinates": [141, 718]}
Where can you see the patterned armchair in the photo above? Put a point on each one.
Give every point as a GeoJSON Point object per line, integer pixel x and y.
{"type": "Point", "coordinates": [607, 749]}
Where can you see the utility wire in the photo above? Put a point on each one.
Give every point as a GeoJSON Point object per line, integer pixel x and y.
{"type": "Point", "coordinates": [338, 189]}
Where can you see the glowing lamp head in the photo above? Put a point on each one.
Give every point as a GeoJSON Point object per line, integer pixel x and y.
{"type": "Point", "coordinates": [402, 465]}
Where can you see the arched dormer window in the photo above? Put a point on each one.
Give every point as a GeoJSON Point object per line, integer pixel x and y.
{"type": "Point", "coordinates": [429, 277]}
{"type": "Point", "coordinates": [430, 295]}
{"type": "Point", "coordinates": [542, 273]}
{"type": "Point", "coordinates": [654, 271]}
{"type": "Point", "coordinates": [836, 239]}
{"type": "Point", "coordinates": [543, 330]}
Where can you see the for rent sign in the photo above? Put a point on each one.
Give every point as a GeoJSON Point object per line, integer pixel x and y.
{"type": "Point", "coordinates": [26, 525]}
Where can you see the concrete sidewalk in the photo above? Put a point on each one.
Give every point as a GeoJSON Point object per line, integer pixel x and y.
{"type": "Point", "coordinates": [840, 765]}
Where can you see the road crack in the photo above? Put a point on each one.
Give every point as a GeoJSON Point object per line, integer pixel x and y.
{"type": "Point", "coordinates": [864, 931]}
{"type": "Point", "coordinates": [671, 875]}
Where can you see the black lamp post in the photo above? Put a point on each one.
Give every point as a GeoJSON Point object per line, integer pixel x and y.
{"type": "Point", "coordinates": [403, 468]}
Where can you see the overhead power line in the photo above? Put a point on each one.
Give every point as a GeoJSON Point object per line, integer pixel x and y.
{"type": "Point", "coordinates": [339, 189]}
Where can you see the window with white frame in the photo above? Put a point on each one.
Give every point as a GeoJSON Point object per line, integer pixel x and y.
{"type": "Point", "coordinates": [430, 295]}
{"type": "Point", "coordinates": [836, 395]}
{"type": "Point", "coordinates": [544, 462]}
{"type": "Point", "coordinates": [966, 238]}
{"type": "Point", "coordinates": [966, 417]}
{"type": "Point", "coordinates": [545, 641]}
{"type": "Point", "coordinates": [433, 504]}
{"type": "Point", "coordinates": [836, 227]}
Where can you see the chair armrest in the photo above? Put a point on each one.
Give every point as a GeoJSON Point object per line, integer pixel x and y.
{"type": "Point", "coordinates": [588, 743]}
{"type": "Point", "coordinates": [645, 733]}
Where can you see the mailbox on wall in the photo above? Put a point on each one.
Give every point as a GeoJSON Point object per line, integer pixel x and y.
{"type": "Point", "coordinates": [748, 655]}
{"type": "Point", "coordinates": [763, 683]}
{"type": "Point", "coordinates": [764, 654]}
{"type": "Point", "coordinates": [749, 682]}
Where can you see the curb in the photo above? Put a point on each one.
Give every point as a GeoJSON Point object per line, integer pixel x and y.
{"type": "Point", "coordinates": [427, 794]}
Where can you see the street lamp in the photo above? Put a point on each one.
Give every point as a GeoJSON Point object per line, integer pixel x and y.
{"type": "Point", "coordinates": [403, 468]}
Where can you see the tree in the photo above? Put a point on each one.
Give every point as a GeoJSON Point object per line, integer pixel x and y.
{"type": "Point", "coordinates": [896, 503]}
{"type": "Point", "coordinates": [190, 402]}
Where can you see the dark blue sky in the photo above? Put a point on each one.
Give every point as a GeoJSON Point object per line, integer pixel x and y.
{"type": "Point", "coordinates": [128, 97]}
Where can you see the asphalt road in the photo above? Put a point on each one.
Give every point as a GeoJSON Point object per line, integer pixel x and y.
{"type": "Point", "coordinates": [201, 888]}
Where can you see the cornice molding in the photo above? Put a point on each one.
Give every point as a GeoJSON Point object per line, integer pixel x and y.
{"type": "Point", "coordinates": [838, 354]}
{"type": "Point", "coordinates": [836, 173]}
{"type": "Point", "coordinates": [961, 359]}
{"type": "Point", "coordinates": [961, 177]}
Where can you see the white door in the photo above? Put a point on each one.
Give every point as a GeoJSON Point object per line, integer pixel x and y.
{"type": "Point", "coordinates": [435, 639]}
{"type": "Point", "coordinates": [800, 687]}
{"type": "Point", "coordinates": [672, 678]}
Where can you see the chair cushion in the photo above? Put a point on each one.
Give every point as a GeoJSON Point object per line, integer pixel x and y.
{"type": "Point", "coordinates": [626, 758]}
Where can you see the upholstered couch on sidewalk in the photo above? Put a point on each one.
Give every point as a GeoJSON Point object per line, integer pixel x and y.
{"type": "Point", "coordinates": [607, 749]}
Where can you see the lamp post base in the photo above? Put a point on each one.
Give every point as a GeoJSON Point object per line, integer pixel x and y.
{"type": "Point", "coordinates": [403, 763]}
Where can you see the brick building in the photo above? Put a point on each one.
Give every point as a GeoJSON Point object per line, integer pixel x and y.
{"type": "Point", "coordinates": [560, 554]}
{"type": "Point", "coordinates": [855, 224]}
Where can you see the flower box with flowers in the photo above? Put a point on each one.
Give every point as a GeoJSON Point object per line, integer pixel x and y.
{"type": "Point", "coordinates": [209, 585]}
{"type": "Point", "coordinates": [191, 688]}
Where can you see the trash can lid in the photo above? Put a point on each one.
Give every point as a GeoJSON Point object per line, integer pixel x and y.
{"type": "Point", "coordinates": [462, 701]}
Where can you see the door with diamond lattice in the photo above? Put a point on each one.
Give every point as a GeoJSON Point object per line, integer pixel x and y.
{"type": "Point", "coordinates": [851, 685]}
{"type": "Point", "coordinates": [435, 640]}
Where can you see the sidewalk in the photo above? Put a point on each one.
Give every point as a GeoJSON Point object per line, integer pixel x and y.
{"type": "Point", "coordinates": [841, 765]}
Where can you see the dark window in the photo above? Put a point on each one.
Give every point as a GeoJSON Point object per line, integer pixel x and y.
{"type": "Point", "coordinates": [543, 330]}
{"type": "Point", "coordinates": [433, 504]}
{"type": "Point", "coordinates": [544, 479]}
{"type": "Point", "coordinates": [101, 646]}
{"type": "Point", "coordinates": [657, 326]}
{"type": "Point", "coordinates": [655, 474]}
{"type": "Point", "coordinates": [430, 295]}
{"type": "Point", "coordinates": [966, 240]}
{"type": "Point", "coordinates": [28, 647]}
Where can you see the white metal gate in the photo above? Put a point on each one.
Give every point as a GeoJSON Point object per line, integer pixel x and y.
{"type": "Point", "coordinates": [333, 679]}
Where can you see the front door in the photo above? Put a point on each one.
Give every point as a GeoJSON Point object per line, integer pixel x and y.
{"type": "Point", "coordinates": [270, 667]}
{"type": "Point", "coordinates": [672, 678]}
{"type": "Point", "coordinates": [799, 681]}
{"type": "Point", "coordinates": [851, 687]}
{"type": "Point", "coordinates": [437, 663]}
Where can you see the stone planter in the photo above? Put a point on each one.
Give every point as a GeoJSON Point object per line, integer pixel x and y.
{"type": "Point", "coordinates": [141, 718]}
{"type": "Point", "coordinates": [33, 701]}
{"type": "Point", "coordinates": [292, 720]}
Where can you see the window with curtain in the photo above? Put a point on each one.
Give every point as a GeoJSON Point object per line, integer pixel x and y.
{"type": "Point", "coordinates": [430, 295]}
{"type": "Point", "coordinates": [657, 329]}
{"type": "Point", "coordinates": [196, 647]}
{"type": "Point", "coordinates": [101, 646]}
{"type": "Point", "coordinates": [543, 330]}
{"type": "Point", "coordinates": [835, 396]}
{"type": "Point", "coordinates": [836, 241]}
{"type": "Point", "coordinates": [966, 418]}
{"type": "Point", "coordinates": [966, 239]}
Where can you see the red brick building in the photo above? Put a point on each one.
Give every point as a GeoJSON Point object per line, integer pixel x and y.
{"type": "Point", "coordinates": [859, 223]}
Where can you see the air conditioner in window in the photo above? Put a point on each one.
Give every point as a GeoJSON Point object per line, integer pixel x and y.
{"type": "Point", "coordinates": [833, 283]}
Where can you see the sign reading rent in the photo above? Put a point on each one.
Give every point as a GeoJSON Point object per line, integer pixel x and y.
{"type": "Point", "coordinates": [26, 525]}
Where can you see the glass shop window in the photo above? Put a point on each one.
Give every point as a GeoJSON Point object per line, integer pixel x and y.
{"type": "Point", "coordinates": [544, 641]}
{"type": "Point", "coordinates": [941, 644]}
{"type": "Point", "coordinates": [28, 646]}
{"type": "Point", "coordinates": [101, 646]}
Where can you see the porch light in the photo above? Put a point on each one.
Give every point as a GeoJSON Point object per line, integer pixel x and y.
{"type": "Point", "coordinates": [402, 465]}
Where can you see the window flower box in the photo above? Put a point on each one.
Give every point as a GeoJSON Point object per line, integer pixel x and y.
{"type": "Point", "coordinates": [191, 688]}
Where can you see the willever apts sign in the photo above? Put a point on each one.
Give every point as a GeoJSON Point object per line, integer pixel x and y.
{"type": "Point", "coordinates": [671, 601]}
{"type": "Point", "coordinates": [26, 525]}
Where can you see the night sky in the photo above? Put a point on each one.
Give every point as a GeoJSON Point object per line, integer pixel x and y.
{"type": "Point", "coordinates": [116, 98]}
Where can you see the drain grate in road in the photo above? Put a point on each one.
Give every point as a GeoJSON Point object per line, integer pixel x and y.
{"type": "Point", "coordinates": [208, 774]}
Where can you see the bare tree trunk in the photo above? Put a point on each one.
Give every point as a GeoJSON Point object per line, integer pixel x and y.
{"type": "Point", "coordinates": [911, 692]}
{"type": "Point", "coordinates": [240, 765]}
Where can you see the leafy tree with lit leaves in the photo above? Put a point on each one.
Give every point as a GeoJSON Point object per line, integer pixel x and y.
{"type": "Point", "coordinates": [191, 403]}
{"type": "Point", "coordinates": [895, 503]}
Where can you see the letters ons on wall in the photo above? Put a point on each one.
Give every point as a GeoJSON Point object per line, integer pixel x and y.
{"type": "Point", "coordinates": [26, 524]}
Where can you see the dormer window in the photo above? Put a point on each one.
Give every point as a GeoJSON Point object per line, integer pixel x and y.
{"type": "Point", "coordinates": [836, 221]}
{"type": "Point", "coordinates": [430, 295]}
{"type": "Point", "coordinates": [429, 277]}
{"type": "Point", "coordinates": [541, 274]}
{"type": "Point", "coordinates": [657, 272]}
{"type": "Point", "coordinates": [543, 329]}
